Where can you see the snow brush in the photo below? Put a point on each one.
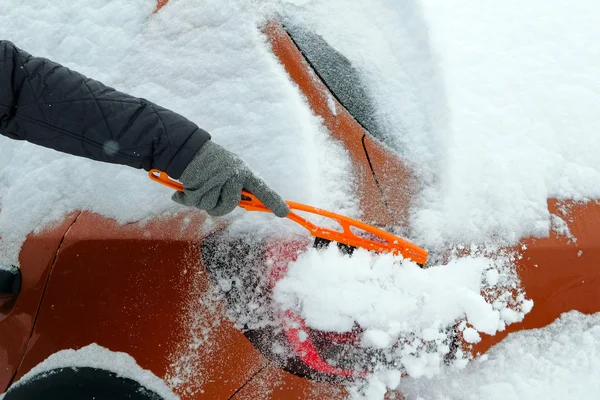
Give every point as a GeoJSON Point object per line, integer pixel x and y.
{"type": "Point", "coordinates": [387, 243]}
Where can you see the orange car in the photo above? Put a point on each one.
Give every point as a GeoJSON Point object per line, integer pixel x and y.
{"type": "Point", "coordinates": [145, 289]}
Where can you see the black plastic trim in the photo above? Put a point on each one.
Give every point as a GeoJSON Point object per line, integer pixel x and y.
{"type": "Point", "coordinates": [80, 383]}
{"type": "Point", "coordinates": [10, 281]}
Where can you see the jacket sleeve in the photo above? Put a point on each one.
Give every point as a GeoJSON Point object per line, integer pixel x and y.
{"type": "Point", "coordinates": [50, 105]}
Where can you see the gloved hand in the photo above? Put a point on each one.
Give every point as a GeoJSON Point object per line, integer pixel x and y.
{"type": "Point", "coordinates": [214, 179]}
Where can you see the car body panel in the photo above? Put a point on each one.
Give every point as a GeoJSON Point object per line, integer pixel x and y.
{"type": "Point", "coordinates": [273, 383]}
{"type": "Point", "coordinates": [36, 260]}
{"type": "Point", "coordinates": [142, 289]}
{"type": "Point", "coordinates": [383, 181]}
{"type": "Point", "coordinates": [130, 289]}
{"type": "Point", "coordinates": [558, 273]}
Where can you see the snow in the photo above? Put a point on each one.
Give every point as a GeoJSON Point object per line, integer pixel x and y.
{"type": "Point", "coordinates": [95, 356]}
{"type": "Point", "coordinates": [396, 301]}
{"type": "Point", "coordinates": [523, 99]}
{"type": "Point", "coordinates": [39, 186]}
{"type": "Point", "coordinates": [5, 267]}
{"type": "Point", "coordinates": [494, 104]}
{"type": "Point", "coordinates": [254, 110]}
{"type": "Point", "coordinates": [560, 226]}
{"type": "Point", "coordinates": [377, 338]}
{"type": "Point", "coordinates": [471, 335]}
{"type": "Point", "coordinates": [333, 290]}
{"type": "Point", "coordinates": [492, 276]}
{"type": "Point", "coordinates": [557, 362]}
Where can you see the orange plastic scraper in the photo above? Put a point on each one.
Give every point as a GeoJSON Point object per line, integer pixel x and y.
{"type": "Point", "coordinates": [386, 242]}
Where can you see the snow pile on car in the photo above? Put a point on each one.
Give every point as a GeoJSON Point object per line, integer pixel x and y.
{"type": "Point", "coordinates": [219, 73]}
{"type": "Point", "coordinates": [557, 362]}
{"type": "Point", "coordinates": [413, 313]}
{"type": "Point", "coordinates": [495, 105]}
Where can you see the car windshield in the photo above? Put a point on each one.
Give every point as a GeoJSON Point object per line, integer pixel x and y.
{"type": "Point", "coordinates": [340, 76]}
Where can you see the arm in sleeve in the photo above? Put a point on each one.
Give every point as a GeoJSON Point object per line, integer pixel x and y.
{"type": "Point", "coordinates": [50, 105]}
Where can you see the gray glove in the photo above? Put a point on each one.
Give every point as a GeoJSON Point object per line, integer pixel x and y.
{"type": "Point", "coordinates": [214, 179]}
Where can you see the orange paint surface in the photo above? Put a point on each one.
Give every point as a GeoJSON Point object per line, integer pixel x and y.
{"type": "Point", "coordinates": [137, 289]}
{"type": "Point", "coordinates": [557, 273]}
{"type": "Point", "coordinates": [394, 177]}
{"type": "Point", "coordinates": [36, 261]}
{"type": "Point", "coordinates": [160, 4]}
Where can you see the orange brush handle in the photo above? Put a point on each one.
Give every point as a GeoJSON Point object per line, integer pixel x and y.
{"type": "Point", "coordinates": [390, 243]}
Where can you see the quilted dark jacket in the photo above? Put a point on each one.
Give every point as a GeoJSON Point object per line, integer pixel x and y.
{"type": "Point", "coordinates": [50, 105]}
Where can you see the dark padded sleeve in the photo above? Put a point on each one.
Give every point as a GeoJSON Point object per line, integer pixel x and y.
{"type": "Point", "coordinates": [50, 105]}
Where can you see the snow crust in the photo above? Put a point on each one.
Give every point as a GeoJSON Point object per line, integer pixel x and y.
{"type": "Point", "coordinates": [95, 356]}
